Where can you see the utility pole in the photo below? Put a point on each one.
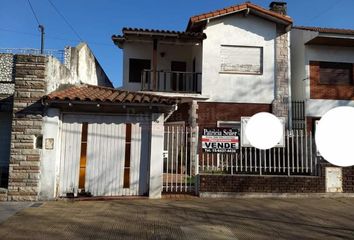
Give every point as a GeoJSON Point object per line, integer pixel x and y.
{"type": "Point", "coordinates": [41, 29]}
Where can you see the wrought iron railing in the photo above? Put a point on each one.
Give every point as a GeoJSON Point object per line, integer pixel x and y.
{"type": "Point", "coordinates": [298, 115]}
{"type": "Point", "coordinates": [171, 81]}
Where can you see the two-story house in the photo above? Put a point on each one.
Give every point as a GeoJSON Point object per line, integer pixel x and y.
{"type": "Point", "coordinates": [322, 61]}
{"type": "Point", "coordinates": [228, 63]}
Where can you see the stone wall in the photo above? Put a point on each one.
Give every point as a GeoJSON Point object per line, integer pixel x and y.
{"type": "Point", "coordinates": [280, 106]}
{"type": "Point", "coordinates": [6, 74]}
{"type": "Point", "coordinates": [24, 168]}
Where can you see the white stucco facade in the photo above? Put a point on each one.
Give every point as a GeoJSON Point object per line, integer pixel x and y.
{"type": "Point", "coordinates": [238, 30]}
{"type": "Point", "coordinates": [50, 154]}
{"type": "Point", "coordinates": [80, 66]}
{"type": "Point", "coordinates": [166, 53]}
{"type": "Point", "coordinates": [301, 55]}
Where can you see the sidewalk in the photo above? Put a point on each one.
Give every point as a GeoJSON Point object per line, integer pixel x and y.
{"type": "Point", "coordinates": [308, 218]}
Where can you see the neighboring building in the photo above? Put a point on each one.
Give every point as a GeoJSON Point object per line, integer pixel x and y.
{"type": "Point", "coordinates": [24, 80]}
{"type": "Point", "coordinates": [322, 61]}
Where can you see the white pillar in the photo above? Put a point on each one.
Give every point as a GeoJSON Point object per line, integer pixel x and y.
{"type": "Point", "coordinates": [156, 155]}
{"type": "Point", "coordinates": [50, 154]}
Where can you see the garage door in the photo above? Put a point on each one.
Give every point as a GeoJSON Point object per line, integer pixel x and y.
{"type": "Point", "coordinates": [105, 155]}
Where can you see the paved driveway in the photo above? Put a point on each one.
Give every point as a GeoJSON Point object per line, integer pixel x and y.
{"type": "Point", "coordinates": [185, 219]}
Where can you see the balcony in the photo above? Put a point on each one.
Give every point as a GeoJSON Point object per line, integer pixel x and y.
{"type": "Point", "coordinates": [171, 81]}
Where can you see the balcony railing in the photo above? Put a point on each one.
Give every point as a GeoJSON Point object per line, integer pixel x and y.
{"type": "Point", "coordinates": [171, 81]}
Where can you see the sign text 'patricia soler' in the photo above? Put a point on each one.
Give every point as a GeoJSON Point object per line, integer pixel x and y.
{"type": "Point", "coordinates": [220, 140]}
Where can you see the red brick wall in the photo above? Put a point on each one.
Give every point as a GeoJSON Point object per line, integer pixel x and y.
{"type": "Point", "coordinates": [327, 91]}
{"type": "Point", "coordinates": [182, 113]}
{"type": "Point", "coordinates": [310, 123]}
{"type": "Point", "coordinates": [210, 113]}
{"type": "Point", "coordinates": [273, 184]}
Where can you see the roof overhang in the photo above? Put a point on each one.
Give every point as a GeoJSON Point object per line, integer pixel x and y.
{"type": "Point", "coordinates": [149, 35]}
{"type": "Point", "coordinates": [198, 22]}
{"type": "Point", "coordinates": [108, 107]}
{"type": "Point", "coordinates": [92, 98]}
{"type": "Point", "coordinates": [332, 40]}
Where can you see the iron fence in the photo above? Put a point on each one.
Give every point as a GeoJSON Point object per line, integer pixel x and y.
{"type": "Point", "coordinates": [297, 157]}
{"type": "Point", "coordinates": [298, 115]}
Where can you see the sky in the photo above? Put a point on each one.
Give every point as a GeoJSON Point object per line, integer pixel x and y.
{"type": "Point", "coordinates": [95, 21]}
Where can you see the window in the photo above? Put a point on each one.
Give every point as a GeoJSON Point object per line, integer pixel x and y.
{"type": "Point", "coordinates": [136, 66]}
{"type": "Point", "coordinates": [335, 73]}
{"type": "Point", "coordinates": [241, 59]}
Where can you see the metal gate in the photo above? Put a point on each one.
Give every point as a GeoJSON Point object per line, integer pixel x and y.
{"type": "Point", "coordinates": [180, 154]}
{"type": "Point", "coordinates": [105, 157]}
{"type": "Point", "coordinates": [297, 157]}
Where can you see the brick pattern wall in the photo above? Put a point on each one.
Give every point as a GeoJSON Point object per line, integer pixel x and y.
{"type": "Point", "coordinates": [273, 184]}
{"type": "Point", "coordinates": [3, 195]}
{"type": "Point", "coordinates": [24, 169]}
{"type": "Point", "coordinates": [327, 91]}
{"type": "Point", "coordinates": [348, 179]}
{"type": "Point", "coordinates": [181, 114]}
{"type": "Point", "coordinates": [210, 113]}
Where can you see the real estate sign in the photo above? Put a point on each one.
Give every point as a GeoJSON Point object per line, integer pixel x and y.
{"type": "Point", "coordinates": [220, 140]}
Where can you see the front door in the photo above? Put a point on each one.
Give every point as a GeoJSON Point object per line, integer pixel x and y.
{"type": "Point", "coordinates": [178, 77]}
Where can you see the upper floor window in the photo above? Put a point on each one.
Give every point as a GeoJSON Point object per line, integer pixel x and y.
{"type": "Point", "coordinates": [241, 59]}
{"type": "Point", "coordinates": [335, 73]}
{"type": "Point", "coordinates": [136, 66]}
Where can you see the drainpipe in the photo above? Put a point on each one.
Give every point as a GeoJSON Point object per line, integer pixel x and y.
{"type": "Point", "coordinates": [290, 115]}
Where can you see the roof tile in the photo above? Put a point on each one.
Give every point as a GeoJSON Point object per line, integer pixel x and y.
{"type": "Point", "coordinates": [239, 7]}
{"type": "Point", "coordinates": [104, 94]}
{"type": "Point", "coordinates": [326, 30]}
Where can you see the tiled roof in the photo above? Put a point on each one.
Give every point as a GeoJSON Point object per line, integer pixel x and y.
{"type": "Point", "coordinates": [89, 93]}
{"type": "Point", "coordinates": [141, 31]}
{"type": "Point", "coordinates": [237, 8]}
{"type": "Point", "coordinates": [179, 33]}
{"type": "Point", "coordinates": [326, 30]}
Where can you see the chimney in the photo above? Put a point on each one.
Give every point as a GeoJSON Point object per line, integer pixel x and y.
{"type": "Point", "coordinates": [278, 7]}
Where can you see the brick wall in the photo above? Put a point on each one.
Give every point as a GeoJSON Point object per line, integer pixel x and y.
{"type": "Point", "coordinates": [27, 123]}
{"type": "Point", "coordinates": [210, 113]}
{"type": "Point", "coordinates": [3, 194]}
{"type": "Point", "coordinates": [182, 113]}
{"type": "Point", "coordinates": [273, 184]}
{"type": "Point", "coordinates": [327, 91]}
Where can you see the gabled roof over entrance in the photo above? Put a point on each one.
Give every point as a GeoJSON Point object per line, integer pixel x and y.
{"type": "Point", "coordinates": [197, 22]}
{"type": "Point", "coordinates": [97, 94]}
